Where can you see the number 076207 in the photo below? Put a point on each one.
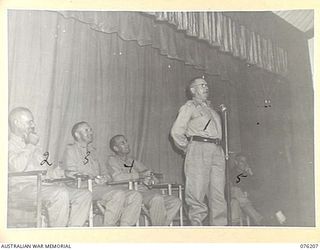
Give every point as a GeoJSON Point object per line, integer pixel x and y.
{"type": "Point", "coordinates": [309, 246]}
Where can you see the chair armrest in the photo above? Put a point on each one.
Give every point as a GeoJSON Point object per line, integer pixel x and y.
{"type": "Point", "coordinates": [132, 183]}
{"type": "Point", "coordinates": [114, 183]}
{"type": "Point", "coordinates": [166, 185]}
{"type": "Point", "coordinates": [83, 177]}
{"type": "Point", "coordinates": [59, 180]}
{"type": "Point", "coordinates": [27, 173]}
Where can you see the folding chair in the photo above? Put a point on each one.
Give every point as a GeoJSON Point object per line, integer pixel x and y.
{"type": "Point", "coordinates": [80, 178]}
{"type": "Point", "coordinates": [97, 207]}
{"type": "Point", "coordinates": [167, 188]}
{"type": "Point", "coordinates": [131, 184]}
{"type": "Point", "coordinates": [33, 212]}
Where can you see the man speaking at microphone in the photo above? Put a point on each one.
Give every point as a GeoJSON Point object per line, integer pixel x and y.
{"type": "Point", "coordinates": [198, 132]}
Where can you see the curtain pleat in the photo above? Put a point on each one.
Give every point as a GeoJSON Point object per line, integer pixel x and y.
{"type": "Point", "coordinates": [219, 32]}
{"type": "Point", "coordinates": [65, 72]}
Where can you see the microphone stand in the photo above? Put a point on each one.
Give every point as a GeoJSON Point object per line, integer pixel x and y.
{"type": "Point", "coordinates": [228, 188]}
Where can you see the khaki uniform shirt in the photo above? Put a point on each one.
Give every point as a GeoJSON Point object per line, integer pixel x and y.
{"type": "Point", "coordinates": [195, 118]}
{"type": "Point", "coordinates": [82, 160]}
{"type": "Point", "coordinates": [22, 158]}
{"type": "Point", "coordinates": [119, 172]}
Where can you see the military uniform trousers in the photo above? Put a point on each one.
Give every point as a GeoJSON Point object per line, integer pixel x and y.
{"type": "Point", "coordinates": [205, 176]}
{"type": "Point", "coordinates": [58, 198]}
{"type": "Point", "coordinates": [121, 206]}
{"type": "Point", "coordinates": [162, 208]}
{"type": "Point", "coordinates": [245, 204]}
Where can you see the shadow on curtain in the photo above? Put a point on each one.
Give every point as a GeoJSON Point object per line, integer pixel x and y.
{"type": "Point", "coordinates": [66, 72]}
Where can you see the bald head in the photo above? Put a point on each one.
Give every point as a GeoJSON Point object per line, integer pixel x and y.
{"type": "Point", "coordinates": [82, 132]}
{"type": "Point", "coordinates": [21, 121]}
{"type": "Point", "coordinates": [119, 145]}
{"type": "Point", "coordinates": [196, 81]}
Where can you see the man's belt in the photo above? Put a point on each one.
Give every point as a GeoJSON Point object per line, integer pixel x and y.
{"type": "Point", "coordinates": [216, 141]}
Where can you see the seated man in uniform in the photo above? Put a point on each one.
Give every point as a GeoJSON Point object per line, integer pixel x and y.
{"type": "Point", "coordinates": [121, 206]}
{"type": "Point", "coordinates": [162, 208]}
{"type": "Point", "coordinates": [241, 181]}
{"type": "Point", "coordinates": [25, 154]}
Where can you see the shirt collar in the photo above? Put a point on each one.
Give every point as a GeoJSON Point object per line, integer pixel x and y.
{"type": "Point", "coordinates": [88, 147]}
{"type": "Point", "coordinates": [200, 102]}
{"type": "Point", "coordinates": [130, 159]}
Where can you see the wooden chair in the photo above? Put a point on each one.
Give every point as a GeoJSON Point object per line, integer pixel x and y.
{"type": "Point", "coordinates": [170, 189]}
{"type": "Point", "coordinates": [79, 179]}
{"type": "Point", "coordinates": [132, 184]}
{"type": "Point", "coordinates": [97, 207]}
{"type": "Point", "coordinates": [23, 212]}
{"type": "Point", "coordinates": [239, 218]}
{"type": "Point", "coordinates": [244, 218]}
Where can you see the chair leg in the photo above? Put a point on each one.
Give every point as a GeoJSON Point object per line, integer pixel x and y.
{"type": "Point", "coordinates": [248, 220]}
{"type": "Point", "coordinates": [241, 219]}
{"type": "Point", "coordinates": [39, 200]}
{"type": "Point", "coordinates": [181, 208]}
{"type": "Point", "coordinates": [91, 206]}
{"type": "Point", "coordinates": [146, 222]}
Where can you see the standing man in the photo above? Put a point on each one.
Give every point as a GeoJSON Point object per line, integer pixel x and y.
{"type": "Point", "coordinates": [25, 154]}
{"type": "Point", "coordinates": [197, 131]}
{"type": "Point", "coordinates": [162, 208]}
{"type": "Point", "coordinates": [122, 207]}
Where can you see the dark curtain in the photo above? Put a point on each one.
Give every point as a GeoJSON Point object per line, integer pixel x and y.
{"type": "Point", "coordinates": [66, 72]}
{"type": "Point", "coordinates": [266, 137]}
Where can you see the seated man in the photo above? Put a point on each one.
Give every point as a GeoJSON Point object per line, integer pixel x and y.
{"type": "Point", "coordinates": [121, 206]}
{"type": "Point", "coordinates": [240, 175]}
{"type": "Point", "coordinates": [25, 154]}
{"type": "Point", "coordinates": [162, 208]}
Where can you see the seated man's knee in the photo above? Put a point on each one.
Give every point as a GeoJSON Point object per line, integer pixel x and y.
{"type": "Point", "coordinates": [135, 196]}
{"type": "Point", "coordinates": [119, 196]}
{"type": "Point", "coordinates": [86, 194]}
{"type": "Point", "coordinates": [60, 193]}
{"type": "Point", "coordinates": [174, 201]}
{"type": "Point", "coordinates": [178, 201]}
{"type": "Point", "coordinates": [157, 199]}
{"type": "Point", "coordinates": [244, 202]}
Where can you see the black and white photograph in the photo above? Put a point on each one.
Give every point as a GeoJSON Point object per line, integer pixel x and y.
{"type": "Point", "coordinates": [192, 119]}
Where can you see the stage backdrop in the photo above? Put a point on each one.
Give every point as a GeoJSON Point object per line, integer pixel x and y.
{"type": "Point", "coordinates": [65, 72]}
{"type": "Point", "coordinates": [128, 75]}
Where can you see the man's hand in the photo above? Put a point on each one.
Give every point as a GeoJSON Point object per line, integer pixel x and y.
{"type": "Point", "coordinates": [55, 173]}
{"type": "Point", "coordinates": [101, 179]}
{"type": "Point", "coordinates": [145, 174]}
{"type": "Point", "coordinates": [248, 170]}
{"type": "Point", "coordinates": [32, 138]}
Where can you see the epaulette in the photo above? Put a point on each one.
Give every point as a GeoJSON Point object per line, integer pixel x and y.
{"type": "Point", "coordinates": [191, 103]}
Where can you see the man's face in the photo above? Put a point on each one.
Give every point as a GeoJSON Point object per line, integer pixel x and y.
{"type": "Point", "coordinates": [85, 133]}
{"type": "Point", "coordinates": [25, 124]}
{"type": "Point", "coordinates": [242, 162]}
{"type": "Point", "coordinates": [121, 146]}
{"type": "Point", "coordinates": [200, 89]}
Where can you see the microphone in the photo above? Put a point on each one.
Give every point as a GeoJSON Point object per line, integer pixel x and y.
{"type": "Point", "coordinates": [223, 107]}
